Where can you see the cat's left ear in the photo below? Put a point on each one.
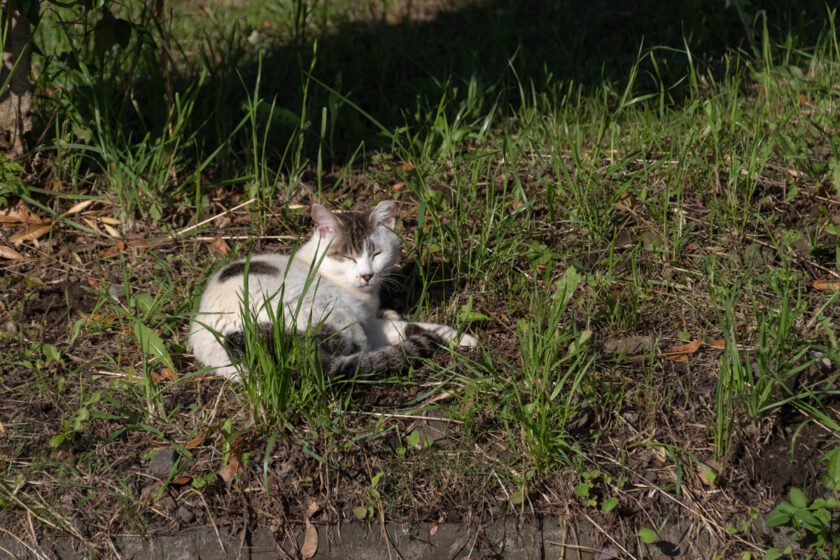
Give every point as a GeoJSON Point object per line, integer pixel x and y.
{"type": "Point", "coordinates": [385, 213]}
{"type": "Point", "coordinates": [325, 221]}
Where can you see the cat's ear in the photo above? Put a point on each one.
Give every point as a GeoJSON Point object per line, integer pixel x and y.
{"type": "Point", "coordinates": [325, 221]}
{"type": "Point", "coordinates": [385, 213]}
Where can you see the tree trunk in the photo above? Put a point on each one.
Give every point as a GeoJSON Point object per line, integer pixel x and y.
{"type": "Point", "coordinates": [16, 96]}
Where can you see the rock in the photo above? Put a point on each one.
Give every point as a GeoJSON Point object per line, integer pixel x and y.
{"type": "Point", "coordinates": [185, 515]}
{"type": "Point", "coordinates": [756, 255]}
{"type": "Point", "coordinates": [629, 345]}
{"type": "Point", "coordinates": [162, 462]}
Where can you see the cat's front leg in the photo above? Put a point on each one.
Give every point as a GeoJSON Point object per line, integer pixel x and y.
{"type": "Point", "coordinates": [448, 333]}
{"type": "Point", "coordinates": [385, 332]}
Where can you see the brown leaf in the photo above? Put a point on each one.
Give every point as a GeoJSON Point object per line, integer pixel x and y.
{"type": "Point", "coordinates": [165, 373]}
{"type": "Point", "coordinates": [111, 230]}
{"type": "Point", "coordinates": [79, 206]}
{"type": "Point", "coordinates": [681, 353]}
{"type": "Point", "coordinates": [30, 233]}
{"type": "Point", "coordinates": [221, 246]}
{"type": "Point", "coordinates": [181, 480]}
{"type": "Point", "coordinates": [818, 285]}
{"type": "Point", "coordinates": [194, 442]}
{"type": "Point", "coordinates": [397, 187]}
{"type": "Point", "coordinates": [310, 542]}
{"type": "Point", "coordinates": [721, 344]}
{"type": "Point", "coordinates": [312, 510]}
{"type": "Point", "coordinates": [112, 252]}
{"type": "Point", "coordinates": [19, 214]}
{"type": "Point", "coordinates": [9, 253]}
{"type": "Point", "coordinates": [229, 471]}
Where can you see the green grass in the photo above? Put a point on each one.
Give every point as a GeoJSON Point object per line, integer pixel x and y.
{"type": "Point", "coordinates": [568, 178]}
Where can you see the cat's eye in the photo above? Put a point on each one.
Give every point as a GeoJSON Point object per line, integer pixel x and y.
{"type": "Point", "coordinates": [349, 258]}
{"type": "Point", "coordinates": [375, 253]}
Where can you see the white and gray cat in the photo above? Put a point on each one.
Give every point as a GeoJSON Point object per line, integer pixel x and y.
{"type": "Point", "coordinates": [350, 254]}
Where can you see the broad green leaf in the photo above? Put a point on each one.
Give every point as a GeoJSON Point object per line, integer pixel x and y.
{"type": "Point", "coordinates": [567, 285]}
{"type": "Point", "coordinates": [151, 343]}
{"type": "Point", "coordinates": [648, 536]}
{"type": "Point", "coordinates": [360, 512]}
{"type": "Point", "coordinates": [772, 554]}
{"type": "Point", "coordinates": [808, 520]}
{"type": "Point", "coordinates": [413, 438]}
{"type": "Point", "coordinates": [582, 489]}
{"type": "Point", "coordinates": [776, 518]}
{"type": "Point", "coordinates": [831, 479]}
{"type": "Point", "coordinates": [144, 302]}
{"type": "Point", "coordinates": [797, 498]}
{"type": "Point", "coordinates": [609, 504]}
{"type": "Point", "coordinates": [51, 352]}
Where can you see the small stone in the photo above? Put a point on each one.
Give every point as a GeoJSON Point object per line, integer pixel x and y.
{"type": "Point", "coordinates": [185, 515]}
{"type": "Point", "coordinates": [162, 462]}
{"type": "Point", "coordinates": [79, 526]}
{"type": "Point", "coordinates": [116, 291]}
{"type": "Point", "coordinates": [757, 255]}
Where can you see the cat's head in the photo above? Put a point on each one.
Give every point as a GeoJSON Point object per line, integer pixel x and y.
{"type": "Point", "coordinates": [361, 247]}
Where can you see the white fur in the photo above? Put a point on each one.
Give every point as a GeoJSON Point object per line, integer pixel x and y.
{"type": "Point", "coordinates": [344, 292]}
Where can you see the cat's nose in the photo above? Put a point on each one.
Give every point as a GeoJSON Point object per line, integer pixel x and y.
{"type": "Point", "coordinates": [366, 277]}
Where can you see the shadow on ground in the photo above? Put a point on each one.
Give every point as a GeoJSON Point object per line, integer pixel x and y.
{"type": "Point", "coordinates": [407, 70]}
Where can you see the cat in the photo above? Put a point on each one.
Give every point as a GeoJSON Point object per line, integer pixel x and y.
{"type": "Point", "coordinates": [345, 261]}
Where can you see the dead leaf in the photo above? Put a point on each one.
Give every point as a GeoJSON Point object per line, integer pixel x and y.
{"type": "Point", "coordinates": [19, 214]}
{"type": "Point", "coordinates": [78, 207]}
{"type": "Point", "coordinates": [310, 542]}
{"type": "Point", "coordinates": [681, 353]}
{"type": "Point", "coordinates": [181, 480]}
{"type": "Point", "coordinates": [194, 442]}
{"type": "Point", "coordinates": [720, 344]}
{"type": "Point", "coordinates": [111, 252]}
{"type": "Point", "coordinates": [111, 230]}
{"type": "Point", "coordinates": [433, 530]}
{"type": "Point", "coordinates": [312, 510]}
{"type": "Point", "coordinates": [109, 220]}
{"type": "Point", "coordinates": [91, 224]}
{"type": "Point", "coordinates": [818, 285]}
{"type": "Point", "coordinates": [30, 233]}
{"type": "Point", "coordinates": [165, 374]}
{"type": "Point", "coordinates": [221, 246]}
{"type": "Point", "coordinates": [229, 471]}
{"type": "Point", "coordinates": [629, 345]}
{"type": "Point", "coordinates": [9, 253]}
{"type": "Point", "coordinates": [397, 187]}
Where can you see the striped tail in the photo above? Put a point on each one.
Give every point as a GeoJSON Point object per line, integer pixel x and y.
{"type": "Point", "coordinates": [419, 344]}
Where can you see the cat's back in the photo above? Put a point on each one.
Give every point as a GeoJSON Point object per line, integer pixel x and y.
{"type": "Point", "coordinates": [266, 272]}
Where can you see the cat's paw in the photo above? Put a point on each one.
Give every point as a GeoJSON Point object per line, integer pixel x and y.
{"type": "Point", "coordinates": [468, 341]}
{"type": "Point", "coordinates": [390, 315]}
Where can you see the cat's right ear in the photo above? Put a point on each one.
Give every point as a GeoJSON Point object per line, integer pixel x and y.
{"type": "Point", "coordinates": [325, 221]}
